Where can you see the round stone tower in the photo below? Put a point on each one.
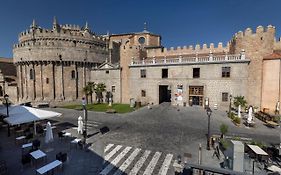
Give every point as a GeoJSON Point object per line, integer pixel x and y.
{"type": "Point", "coordinates": [54, 64]}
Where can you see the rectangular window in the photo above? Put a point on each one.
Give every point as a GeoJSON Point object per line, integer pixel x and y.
{"type": "Point", "coordinates": [196, 72]}
{"type": "Point", "coordinates": [107, 71]}
{"type": "Point", "coordinates": [164, 73]}
{"type": "Point", "coordinates": [47, 80]}
{"type": "Point", "coordinates": [112, 88]}
{"type": "Point", "coordinates": [143, 93]}
{"type": "Point", "coordinates": [143, 73]}
{"type": "Point", "coordinates": [225, 96]}
{"type": "Point", "coordinates": [225, 72]}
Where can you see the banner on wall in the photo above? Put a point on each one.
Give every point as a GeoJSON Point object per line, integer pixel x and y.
{"type": "Point", "coordinates": [179, 93]}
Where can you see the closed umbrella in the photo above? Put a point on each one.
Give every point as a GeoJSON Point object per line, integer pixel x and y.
{"type": "Point", "coordinates": [250, 115]}
{"type": "Point", "coordinates": [239, 111]}
{"type": "Point", "coordinates": [80, 125]}
{"type": "Point", "coordinates": [49, 133]}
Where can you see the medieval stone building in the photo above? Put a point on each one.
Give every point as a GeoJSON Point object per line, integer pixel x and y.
{"type": "Point", "coordinates": [54, 65]}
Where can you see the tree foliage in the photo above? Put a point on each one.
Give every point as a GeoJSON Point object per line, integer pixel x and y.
{"type": "Point", "coordinates": [99, 89]}
{"type": "Point", "coordinates": [239, 100]}
{"type": "Point", "coordinates": [89, 90]}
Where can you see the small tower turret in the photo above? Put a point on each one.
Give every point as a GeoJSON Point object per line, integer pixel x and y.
{"type": "Point", "coordinates": [56, 26]}
{"type": "Point", "coordinates": [87, 27]}
{"type": "Point", "coordinates": [33, 25]}
{"type": "Point", "coordinates": [145, 28]}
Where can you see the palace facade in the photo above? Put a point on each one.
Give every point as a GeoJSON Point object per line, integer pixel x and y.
{"type": "Point", "coordinates": [53, 65]}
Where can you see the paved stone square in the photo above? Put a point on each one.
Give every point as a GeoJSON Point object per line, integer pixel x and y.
{"type": "Point", "coordinates": [144, 141]}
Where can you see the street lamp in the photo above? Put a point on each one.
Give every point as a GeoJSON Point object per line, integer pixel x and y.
{"type": "Point", "coordinates": [6, 97]}
{"type": "Point", "coordinates": [230, 98]}
{"type": "Point", "coordinates": [85, 118]}
{"type": "Point", "coordinates": [209, 113]}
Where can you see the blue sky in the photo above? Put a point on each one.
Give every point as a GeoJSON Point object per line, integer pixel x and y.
{"type": "Point", "coordinates": [179, 22]}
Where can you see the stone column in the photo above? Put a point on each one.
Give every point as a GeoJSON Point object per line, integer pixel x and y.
{"type": "Point", "coordinates": [84, 73]}
{"type": "Point", "coordinates": [20, 80]}
{"type": "Point", "coordinates": [53, 80]}
{"type": "Point", "coordinates": [76, 80]}
{"type": "Point", "coordinates": [62, 82]}
{"type": "Point", "coordinates": [34, 78]}
{"type": "Point", "coordinates": [26, 81]}
{"type": "Point", "coordinates": [42, 81]}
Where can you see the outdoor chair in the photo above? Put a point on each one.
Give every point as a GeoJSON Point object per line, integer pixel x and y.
{"type": "Point", "coordinates": [25, 159]}
{"type": "Point", "coordinates": [61, 134]}
{"type": "Point", "coordinates": [80, 144]}
{"type": "Point", "coordinates": [58, 156]}
{"type": "Point", "coordinates": [64, 157]}
{"type": "Point", "coordinates": [29, 136]}
{"type": "Point", "coordinates": [35, 144]}
{"type": "Point", "coordinates": [61, 156]}
{"type": "Point", "coordinates": [26, 131]}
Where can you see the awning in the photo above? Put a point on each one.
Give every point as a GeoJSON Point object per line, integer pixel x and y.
{"type": "Point", "coordinates": [23, 114]}
{"type": "Point", "coordinates": [258, 150]}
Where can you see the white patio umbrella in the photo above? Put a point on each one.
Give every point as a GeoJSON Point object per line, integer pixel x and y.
{"type": "Point", "coordinates": [49, 133]}
{"type": "Point", "coordinates": [239, 111]}
{"type": "Point", "coordinates": [250, 115]}
{"type": "Point", "coordinates": [80, 125]}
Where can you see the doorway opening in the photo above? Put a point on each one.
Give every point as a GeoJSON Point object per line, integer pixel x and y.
{"type": "Point", "coordinates": [196, 95]}
{"type": "Point", "coordinates": [164, 94]}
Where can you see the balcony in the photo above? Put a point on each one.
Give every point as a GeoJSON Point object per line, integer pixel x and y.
{"type": "Point", "coordinates": [211, 59]}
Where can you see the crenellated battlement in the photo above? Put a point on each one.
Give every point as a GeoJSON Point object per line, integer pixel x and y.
{"type": "Point", "coordinates": [197, 49]}
{"type": "Point", "coordinates": [36, 35]}
{"type": "Point", "coordinates": [249, 32]}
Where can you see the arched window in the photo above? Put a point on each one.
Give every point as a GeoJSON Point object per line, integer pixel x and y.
{"type": "Point", "coordinates": [1, 91]}
{"type": "Point", "coordinates": [73, 74]}
{"type": "Point", "coordinates": [31, 74]}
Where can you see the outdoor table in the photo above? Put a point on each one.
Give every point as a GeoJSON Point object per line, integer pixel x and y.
{"type": "Point", "coordinates": [20, 138]}
{"type": "Point", "coordinates": [38, 154]}
{"type": "Point", "coordinates": [49, 167]}
{"type": "Point", "coordinates": [26, 145]}
{"type": "Point", "coordinates": [67, 134]}
{"type": "Point", "coordinates": [19, 131]}
{"type": "Point", "coordinates": [75, 141]}
{"type": "Point", "coordinates": [274, 168]}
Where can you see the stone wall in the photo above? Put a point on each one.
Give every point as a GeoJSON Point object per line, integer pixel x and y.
{"type": "Point", "coordinates": [210, 79]}
{"type": "Point", "coordinates": [53, 54]}
{"type": "Point", "coordinates": [256, 46]}
{"type": "Point", "coordinates": [112, 78]}
{"type": "Point", "coordinates": [271, 84]}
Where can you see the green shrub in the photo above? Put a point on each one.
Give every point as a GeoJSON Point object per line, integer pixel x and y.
{"type": "Point", "coordinates": [231, 115]}
{"type": "Point", "coordinates": [223, 129]}
{"type": "Point", "coordinates": [237, 138]}
{"type": "Point", "coordinates": [237, 120]}
{"type": "Point", "coordinates": [224, 143]}
{"type": "Point", "coordinates": [276, 119]}
{"type": "Point", "coordinates": [239, 100]}
{"type": "Point", "coordinates": [258, 143]}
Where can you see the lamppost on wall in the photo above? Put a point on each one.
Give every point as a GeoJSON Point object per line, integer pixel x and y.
{"type": "Point", "coordinates": [85, 118]}
{"type": "Point", "coordinates": [209, 113]}
{"type": "Point", "coordinates": [230, 98]}
{"type": "Point", "coordinates": [6, 97]}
